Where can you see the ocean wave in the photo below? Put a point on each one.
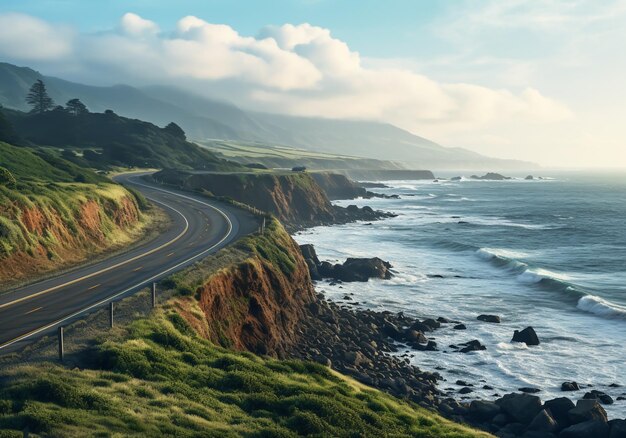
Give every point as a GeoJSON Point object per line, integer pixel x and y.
{"type": "Point", "coordinates": [601, 307]}
{"type": "Point", "coordinates": [537, 275]}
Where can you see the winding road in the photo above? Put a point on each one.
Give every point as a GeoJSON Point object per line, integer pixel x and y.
{"type": "Point", "coordinates": [199, 227]}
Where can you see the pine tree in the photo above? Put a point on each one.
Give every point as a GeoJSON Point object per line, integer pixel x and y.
{"type": "Point", "coordinates": [38, 98]}
{"type": "Point", "coordinates": [76, 107]}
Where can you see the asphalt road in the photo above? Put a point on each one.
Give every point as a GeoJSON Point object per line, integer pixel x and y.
{"type": "Point", "coordinates": [199, 227]}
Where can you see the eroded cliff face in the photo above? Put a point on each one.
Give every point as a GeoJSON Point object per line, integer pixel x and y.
{"type": "Point", "coordinates": [55, 228]}
{"type": "Point", "coordinates": [294, 198]}
{"type": "Point", "coordinates": [257, 300]}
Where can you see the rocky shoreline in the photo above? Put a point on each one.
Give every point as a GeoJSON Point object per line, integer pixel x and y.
{"type": "Point", "coordinates": [375, 348]}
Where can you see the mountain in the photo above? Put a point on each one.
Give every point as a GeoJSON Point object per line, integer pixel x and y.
{"type": "Point", "coordinates": [203, 118]}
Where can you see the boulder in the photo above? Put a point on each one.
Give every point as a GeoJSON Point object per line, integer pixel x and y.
{"type": "Point", "coordinates": [415, 336]}
{"type": "Point", "coordinates": [529, 178]}
{"type": "Point", "coordinates": [362, 269]}
{"type": "Point", "coordinates": [459, 327]}
{"type": "Point", "coordinates": [617, 429]}
{"type": "Point", "coordinates": [586, 410]}
{"type": "Point", "coordinates": [559, 408]}
{"type": "Point", "coordinates": [528, 336]}
{"type": "Point", "coordinates": [521, 407]}
{"type": "Point", "coordinates": [472, 346]}
{"type": "Point", "coordinates": [392, 330]}
{"type": "Point", "coordinates": [308, 252]}
{"type": "Point", "coordinates": [432, 323]}
{"type": "Point", "coordinates": [313, 271]}
{"type": "Point", "coordinates": [483, 410]}
{"type": "Point", "coordinates": [529, 390]}
{"type": "Point", "coordinates": [602, 397]}
{"type": "Point", "coordinates": [543, 422]}
{"type": "Point", "coordinates": [586, 429]}
{"type": "Point", "coordinates": [489, 318]}
{"type": "Point", "coordinates": [355, 358]}
{"type": "Point", "coordinates": [569, 386]}
{"type": "Point", "coordinates": [465, 390]}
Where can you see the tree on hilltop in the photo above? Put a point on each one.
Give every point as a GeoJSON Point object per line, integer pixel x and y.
{"type": "Point", "coordinates": [38, 98]}
{"type": "Point", "coordinates": [76, 107]}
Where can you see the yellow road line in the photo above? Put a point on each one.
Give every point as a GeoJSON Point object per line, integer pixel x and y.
{"type": "Point", "coordinates": [170, 254]}
{"type": "Point", "coordinates": [93, 287]}
{"type": "Point", "coordinates": [119, 294]}
{"type": "Point", "coordinates": [137, 269]}
{"type": "Point", "coordinates": [34, 310]}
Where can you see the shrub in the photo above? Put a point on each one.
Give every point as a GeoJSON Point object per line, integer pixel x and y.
{"type": "Point", "coordinates": [6, 178]}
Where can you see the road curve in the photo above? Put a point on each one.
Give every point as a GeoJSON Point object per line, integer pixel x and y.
{"type": "Point", "coordinates": [199, 227]}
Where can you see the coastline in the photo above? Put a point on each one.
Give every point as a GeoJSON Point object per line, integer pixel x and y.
{"type": "Point", "coordinates": [453, 397]}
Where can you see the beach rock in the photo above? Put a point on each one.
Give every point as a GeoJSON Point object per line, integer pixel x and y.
{"type": "Point", "coordinates": [474, 345]}
{"type": "Point", "coordinates": [529, 178]}
{"type": "Point", "coordinates": [489, 318]}
{"type": "Point", "coordinates": [362, 269]}
{"type": "Point", "coordinates": [431, 323]}
{"type": "Point", "coordinates": [415, 336]}
{"type": "Point", "coordinates": [483, 410]}
{"type": "Point", "coordinates": [604, 398]}
{"type": "Point", "coordinates": [586, 429]}
{"type": "Point", "coordinates": [465, 390]}
{"type": "Point", "coordinates": [586, 410]}
{"type": "Point", "coordinates": [491, 176]}
{"type": "Point", "coordinates": [443, 320]}
{"type": "Point", "coordinates": [308, 252]}
{"type": "Point", "coordinates": [455, 178]}
{"type": "Point", "coordinates": [569, 386]}
{"type": "Point", "coordinates": [521, 407]}
{"type": "Point", "coordinates": [529, 390]}
{"type": "Point", "coordinates": [543, 422]}
{"type": "Point", "coordinates": [617, 429]}
{"type": "Point", "coordinates": [460, 327]}
{"type": "Point", "coordinates": [528, 336]}
{"type": "Point", "coordinates": [559, 408]}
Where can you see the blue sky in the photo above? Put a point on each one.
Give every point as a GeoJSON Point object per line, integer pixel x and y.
{"type": "Point", "coordinates": [540, 80]}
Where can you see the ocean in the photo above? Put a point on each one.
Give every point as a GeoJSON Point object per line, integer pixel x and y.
{"type": "Point", "coordinates": [547, 253]}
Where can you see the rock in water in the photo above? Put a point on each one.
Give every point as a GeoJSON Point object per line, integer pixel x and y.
{"type": "Point", "coordinates": [474, 345]}
{"type": "Point", "coordinates": [569, 386]}
{"type": "Point", "coordinates": [618, 428]}
{"type": "Point", "coordinates": [603, 397]}
{"type": "Point", "coordinates": [489, 318]}
{"type": "Point", "coordinates": [483, 410]}
{"type": "Point", "coordinates": [528, 336]}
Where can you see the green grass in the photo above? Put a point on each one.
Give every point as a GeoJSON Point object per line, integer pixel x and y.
{"type": "Point", "coordinates": [160, 379]}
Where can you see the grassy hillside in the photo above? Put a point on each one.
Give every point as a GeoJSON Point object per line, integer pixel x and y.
{"type": "Point", "coordinates": [160, 379]}
{"type": "Point", "coordinates": [53, 213]}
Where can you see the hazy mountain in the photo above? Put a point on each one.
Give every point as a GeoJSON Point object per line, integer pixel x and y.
{"type": "Point", "coordinates": [203, 118]}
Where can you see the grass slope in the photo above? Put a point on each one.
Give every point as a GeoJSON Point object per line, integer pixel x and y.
{"type": "Point", "coordinates": [160, 379]}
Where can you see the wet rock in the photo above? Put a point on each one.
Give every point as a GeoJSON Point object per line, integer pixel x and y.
{"type": "Point", "coordinates": [483, 410]}
{"type": "Point", "coordinates": [489, 318]}
{"type": "Point", "coordinates": [521, 407]}
{"type": "Point", "coordinates": [604, 398]}
{"type": "Point", "coordinates": [415, 336]}
{"type": "Point", "coordinates": [543, 422]}
{"type": "Point", "coordinates": [474, 345]}
{"type": "Point", "coordinates": [569, 386]}
{"type": "Point", "coordinates": [459, 327]}
{"type": "Point", "coordinates": [617, 429]}
{"type": "Point", "coordinates": [465, 390]}
{"type": "Point", "coordinates": [586, 410]}
{"type": "Point", "coordinates": [527, 336]}
{"type": "Point", "coordinates": [529, 390]}
{"type": "Point", "coordinates": [559, 408]}
{"type": "Point", "coordinates": [431, 323]}
{"type": "Point", "coordinates": [586, 429]}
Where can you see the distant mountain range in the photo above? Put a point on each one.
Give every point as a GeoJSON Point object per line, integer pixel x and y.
{"type": "Point", "coordinates": [205, 119]}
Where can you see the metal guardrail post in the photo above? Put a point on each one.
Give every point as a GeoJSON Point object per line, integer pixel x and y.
{"type": "Point", "coordinates": [111, 314]}
{"type": "Point", "coordinates": [61, 346]}
{"type": "Point", "coordinates": [153, 295]}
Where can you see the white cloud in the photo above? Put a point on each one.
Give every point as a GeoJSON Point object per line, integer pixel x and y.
{"type": "Point", "coordinates": [297, 69]}
{"type": "Point", "coordinates": [28, 38]}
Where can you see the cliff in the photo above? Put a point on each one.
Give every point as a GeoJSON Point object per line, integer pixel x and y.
{"type": "Point", "coordinates": [256, 301]}
{"type": "Point", "coordinates": [338, 186]}
{"type": "Point", "coordinates": [294, 198]}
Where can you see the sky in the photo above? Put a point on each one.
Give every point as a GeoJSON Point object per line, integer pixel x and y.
{"type": "Point", "coordinates": [538, 80]}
